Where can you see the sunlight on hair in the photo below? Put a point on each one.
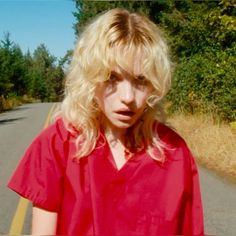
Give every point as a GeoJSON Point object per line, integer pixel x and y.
{"type": "Point", "coordinates": [117, 38]}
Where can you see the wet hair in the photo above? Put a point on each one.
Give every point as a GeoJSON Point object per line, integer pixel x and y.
{"type": "Point", "coordinates": [116, 38]}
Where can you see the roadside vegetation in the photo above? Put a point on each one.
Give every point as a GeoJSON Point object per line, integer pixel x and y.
{"type": "Point", "coordinates": [212, 142]}
{"type": "Point", "coordinates": [202, 101]}
{"type": "Point", "coordinates": [25, 78]}
{"type": "Point", "coordinates": [202, 39]}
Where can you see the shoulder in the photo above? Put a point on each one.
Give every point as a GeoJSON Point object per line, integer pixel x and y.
{"type": "Point", "coordinates": [56, 140]}
{"type": "Point", "coordinates": [168, 135]}
{"type": "Point", "coordinates": [46, 158]}
{"type": "Point", "coordinates": [175, 146]}
{"type": "Point", "coordinates": [52, 145]}
{"type": "Point", "coordinates": [57, 130]}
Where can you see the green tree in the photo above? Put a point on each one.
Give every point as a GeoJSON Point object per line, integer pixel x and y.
{"type": "Point", "coordinates": [59, 82]}
{"type": "Point", "coordinates": [19, 72]}
{"type": "Point", "coordinates": [85, 10]}
{"type": "Point", "coordinates": [5, 65]}
{"type": "Point", "coordinates": [46, 75]}
{"type": "Point", "coordinates": [28, 62]}
{"type": "Point", "coordinates": [203, 41]}
{"type": "Point", "coordinates": [202, 38]}
{"type": "Point", "coordinates": [12, 68]}
{"type": "Point", "coordinates": [65, 61]}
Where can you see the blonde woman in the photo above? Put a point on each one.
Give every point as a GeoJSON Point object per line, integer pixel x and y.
{"type": "Point", "coordinates": [109, 165]}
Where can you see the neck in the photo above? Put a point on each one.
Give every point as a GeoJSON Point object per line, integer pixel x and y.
{"type": "Point", "coordinates": [113, 133]}
{"type": "Point", "coordinates": [114, 136]}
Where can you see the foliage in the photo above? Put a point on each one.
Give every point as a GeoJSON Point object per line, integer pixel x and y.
{"type": "Point", "coordinates": [6, 60]}
{"type": "Point", "coordinates": [27, 77]}
{"type": "Point", "coordinates": [202, 37]}
{"type": "Point", "coordinates": [86, 10]}
{"type": "Point", "coordinates": [203, 41]}
{"type": "Point", "coordinates": [206, 82]}
{"type": "Point", "coordinates": [42, 74]}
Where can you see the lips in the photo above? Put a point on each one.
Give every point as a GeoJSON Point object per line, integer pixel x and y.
{"type": "Point", "coordinates": [125, 115]}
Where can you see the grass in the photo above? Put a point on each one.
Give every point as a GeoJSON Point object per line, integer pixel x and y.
{"type": "Point", "coordinates": [14, 101]}
{"type": "Point", "coordinates": [212, 142]}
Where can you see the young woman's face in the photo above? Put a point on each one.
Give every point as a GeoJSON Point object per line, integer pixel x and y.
{"type": "Point", "coordinates": [122, 99]}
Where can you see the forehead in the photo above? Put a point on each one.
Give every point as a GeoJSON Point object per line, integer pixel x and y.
{"type": "Point", "coordinates": [132, 66]}
{"type": "Point", "coordinates": [128, 74]}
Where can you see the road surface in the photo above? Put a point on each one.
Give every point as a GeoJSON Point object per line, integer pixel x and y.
{"type": "Point", "coordinates": [219, 200]}
{"type": "Point", "coordinates": [17, 129]}
{"type": "Point", "coordinates": [19, 126]}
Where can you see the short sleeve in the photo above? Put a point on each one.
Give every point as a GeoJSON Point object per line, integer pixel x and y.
{"type": "Point", "coordinates": [39, 175]}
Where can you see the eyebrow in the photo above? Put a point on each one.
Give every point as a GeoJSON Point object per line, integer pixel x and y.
{"type": "Point", "coordinates": [133, 76]}
{"type": "Point", "coordinates": [141, 76]}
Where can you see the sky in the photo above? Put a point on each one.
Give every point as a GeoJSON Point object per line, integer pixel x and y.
{"type": "Point", "coordinates": [33, 22]}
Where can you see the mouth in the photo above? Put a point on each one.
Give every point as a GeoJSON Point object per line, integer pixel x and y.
{"type": "Point", "coordinates": [125, 114]}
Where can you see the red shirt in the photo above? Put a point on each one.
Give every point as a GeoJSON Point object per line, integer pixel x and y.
{"type": "Point", "coordinates": [92, 197]}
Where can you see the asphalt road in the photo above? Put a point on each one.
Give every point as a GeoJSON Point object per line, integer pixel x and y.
{"type": "Point", "coordinates": [17, 129]}
{"type": "Point", "coordinates": [219, 200]}
{"type": "Point", "coordinates": [19, 126]}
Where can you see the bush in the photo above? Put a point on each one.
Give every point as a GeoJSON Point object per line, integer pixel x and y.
{"type": "Point", "coordinates": [206, 82]}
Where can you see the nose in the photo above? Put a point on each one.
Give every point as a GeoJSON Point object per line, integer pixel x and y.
{"type": "Point", "coordinates": [127, 93]}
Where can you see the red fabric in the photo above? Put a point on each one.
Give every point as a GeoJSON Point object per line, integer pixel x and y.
{"type": "Point", "coordinates": [93, 198]}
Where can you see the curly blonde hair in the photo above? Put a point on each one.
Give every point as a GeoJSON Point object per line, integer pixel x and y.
{"type": "Point", "coordinates": [116, 38]}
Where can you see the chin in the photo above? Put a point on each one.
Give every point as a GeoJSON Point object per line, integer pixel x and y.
{"type": "Point", "coordinates": [123, 125]}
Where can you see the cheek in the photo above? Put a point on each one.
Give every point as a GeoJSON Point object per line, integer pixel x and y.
{"type": "Point", "coordinates": [103, 99]}
{"type": "Point", "coordinates": [142, 99]}
{"type": "Point", "coordinates": [102, 92]}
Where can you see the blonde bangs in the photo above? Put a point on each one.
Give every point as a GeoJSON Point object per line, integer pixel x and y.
{"type": "Point", "coordinates": [116, 39]}
{"type": "Point", "coordinates": [153, 60]}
